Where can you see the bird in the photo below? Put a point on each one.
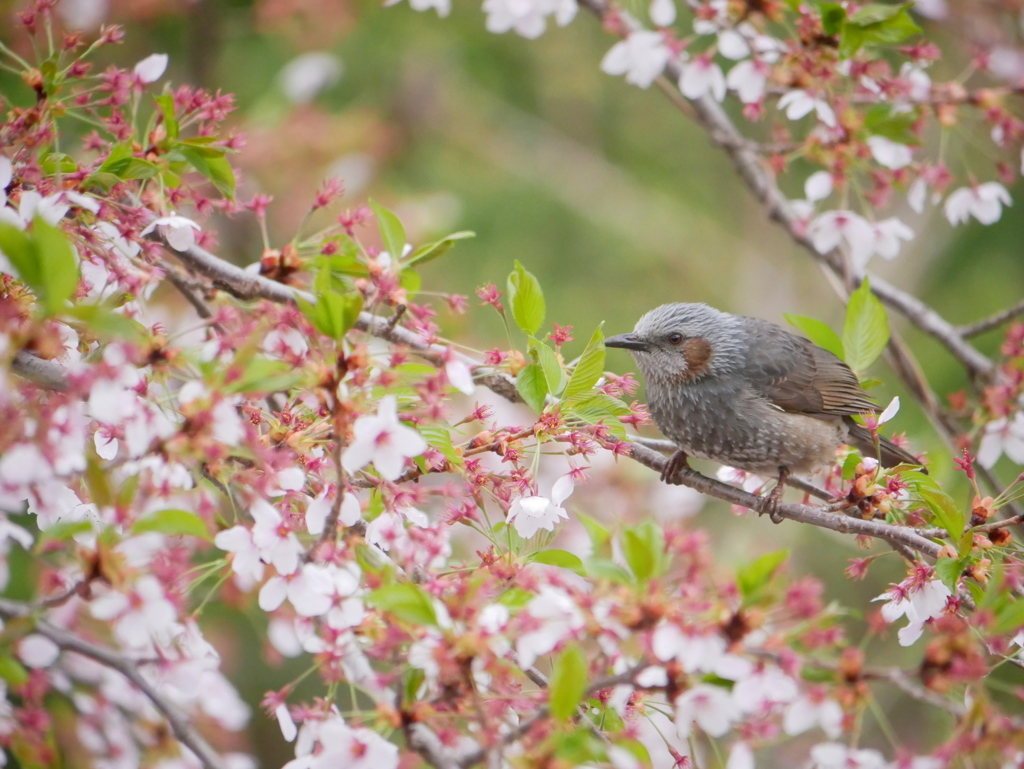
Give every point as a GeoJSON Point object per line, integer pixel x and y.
{"type": "Point", "coordinates": [747, 393]}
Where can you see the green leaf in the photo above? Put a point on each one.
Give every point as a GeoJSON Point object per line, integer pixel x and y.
{"type": "Point", "coordinates": [175, 523]}
{"type": "Point", "coordinates": [392, 233]}
{"type": "Point", "coordinates": [103, 322]}
{"type": "Point", "coordinates": [166, 104]}
{"type": "Point", "coordinates": [58, 265]}
{"type": "Point", "coordinates": [12, 671]}
{"type": "Point", "coordinates": [334, 313]}
{"type": "Point", "coordinates": [881, 24]}
{"type": "Point", "coordinates": [818, 332]}
{"type": "Point", "coordinates": [599, 535]}
{"type": "Point", "coordinates": [265, 375]}
{"type": "Point", "coordinates": [438, 248]}
{"type": "Point", "coordinates": [122, 163]}
{"type": "Point", "coordinates": [212, 164]}
{"type": "Point", "coordinates": [55, 160]}
{"type": "Point", "coordinates": [44, 261]}
{"type": "Point", "coordinates": [644, 549]}
{"type": "Point", "coordinates": [598, 408]}
{"type": "Point", "coordinates": [606, 568]}
{"type": "Point", "coordinates": [883, 120]}
{"type": "Point", "coordinates": [527, 299]}
{"type": "Point", "coordinates": [753, 578]}
{"type": "Point", "coordinates": [62, 531]}
{"type": "Point", "coordinates": [947, 513]}
{"type": "Point", "coordinates": [406, 602]}
{"type": "Point", "coordinates": [555, 557]}
{"type": "Point", "coordinates": [554, 376]}
{"type": "Point", "coordinates": [1010, 617]}
{"type": "Point", "coordinates": [866, 330]}
{"type": "Point", "coordinates": [832, 17]}
{"type": "Point", "coordinates": [568, 683]}
{"type": "Point", "coordinates": [948, 570]}
{"type": "Point", "coordinates": [590, 367]}
{"type": "Point", "coordinates": [438, 435]}
{"type": "Point", "coordinates": [532, 385]}
{"type": "Point", "coordinates": [515, 598]}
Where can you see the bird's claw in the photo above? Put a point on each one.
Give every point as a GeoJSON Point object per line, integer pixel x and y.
{"type": "Point", "coordinates": [676, 463]}
{"type": "Point", "coordinates": [773, 499]}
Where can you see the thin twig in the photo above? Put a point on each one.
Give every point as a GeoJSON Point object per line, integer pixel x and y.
{"type": "Point", "coordinates": [981, 326]}
{"type": "Point", "coordinates": [183, 731]}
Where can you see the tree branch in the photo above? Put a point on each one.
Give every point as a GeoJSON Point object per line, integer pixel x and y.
{"type": "Point", "coordinates": [901, 535]}
{"type": "Point", "coordinates": [47, 373]}
{"type": "Point", "coordinates": [992, 321]}
{"type": "Point", "coordinates": [181, 728]}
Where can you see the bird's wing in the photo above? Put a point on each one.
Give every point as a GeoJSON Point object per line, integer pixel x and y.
{"type": "Point", "coordinates": [797, 376]}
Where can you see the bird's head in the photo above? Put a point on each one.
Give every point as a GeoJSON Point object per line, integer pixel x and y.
{"type": "Point", "coordinates": [677, 343]}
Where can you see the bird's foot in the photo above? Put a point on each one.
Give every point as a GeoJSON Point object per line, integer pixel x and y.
{"type": "Point", "coordinates": [774, 498]}
{"type": "Point", "coordinates": [676, 463]}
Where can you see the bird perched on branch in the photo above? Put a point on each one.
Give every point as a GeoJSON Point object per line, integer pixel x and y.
{"type": "Point", "coordinates": [747, 393]}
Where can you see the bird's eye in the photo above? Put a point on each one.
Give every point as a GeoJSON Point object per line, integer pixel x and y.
{"type": "Point", "coordinates": [675, 338]}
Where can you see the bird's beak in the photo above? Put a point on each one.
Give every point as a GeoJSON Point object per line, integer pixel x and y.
{"type": "Point", "coordinates": [626, 342]}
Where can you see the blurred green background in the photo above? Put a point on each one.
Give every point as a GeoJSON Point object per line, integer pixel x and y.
{"type": "Point", "coordinates": [613, 198]}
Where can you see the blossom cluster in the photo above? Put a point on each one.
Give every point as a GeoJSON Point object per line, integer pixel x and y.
{"type": "Point", "coordinates": [308, 447]}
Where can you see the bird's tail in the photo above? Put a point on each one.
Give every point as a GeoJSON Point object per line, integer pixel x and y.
{"type": "Point", "coordinates": [891, 454]}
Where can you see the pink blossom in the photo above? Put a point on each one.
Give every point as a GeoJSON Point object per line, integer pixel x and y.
{"type": "Point", "coordinates": [702, 77]}
{"type": "Point", "coordinates": [530, 514]}
{"type": "Point", "coordinates": [179, 231]}
{"type": "Point", "coordinates": [527, 17]}
{"type": "Point", "coordinates": [917, 602]}
{"type": "Point", "coordinates": [710, 707]}
{"type": "Point", "coordinates": [797, 103]}
{"type": "Point", "coordinates": [1002, 436]}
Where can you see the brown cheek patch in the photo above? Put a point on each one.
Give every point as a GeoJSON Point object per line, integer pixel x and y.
{"type": "Point", "coordinates": [697, 352]}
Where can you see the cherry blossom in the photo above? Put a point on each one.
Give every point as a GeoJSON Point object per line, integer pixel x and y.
{"type": "Point", "coordinates": [558, 617]}
{"type": "Point", "coordinates": [309, 591]}
{"type": "Point", "coordinates": [889, 153]}
{"type": "Point", "coordinates": [443, 7]}
{"type": "Point", "coordinates": [1002, 436]}
{"type": "Point", "coordinates": [382, 440]}
{"type": "Point", "coordinates": [309, 73]}
{"type": "Point", "coordinates": [179, 231]}
{"type": "Point", "coordinates": [917, 602]}
{"type": "Point", "coordinates": [740, 757]}
{"type": "Point", "coordinates": [276, 542]}
{"type": "Point", "coordinates": [142, 617]}
{"type": "Point", "coordinates": [701, 77]}
{"type": "Point", "coordinates": [531, 514]}
{"type": "Point", "coordinates": [830, 229]}
{"type": "Point", "coordinates": [663, 12]}
{"type": "Point", "coordinates": [152, 68]}
{"type": "Point", "coordinates": [527, 17]}
{"type": "Point", "coordinates": [246, 563]}
{"type": "Point", "coordinates": [805, 713]}
{"type": "Point", "coordinates": [984, 202]}
{"type": "Point", "coordinates": [710, 707]}
{"type": "Point", "coordinates": [834, 755]}
{"type": "Point", "coordinates": [749, 78]}
{"type": "Point", "coordinates": [798, 103]}
{"type": "Point", "coordinates": [818, 186]}
{"type": "Point", "coordinates": [342, 745]}
{"type": "Point", "coordinates": [641, 57]}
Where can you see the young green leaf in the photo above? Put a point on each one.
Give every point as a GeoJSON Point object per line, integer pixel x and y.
{"type": "Point", "coordinates": [527, 299]}
{"type": "Point", "coordinates": [438, 248]}
{"type": "Point", "coordinates": [532, 385]}
{"type": "Point", "coordinates": [818, 332]}
{"type": "Point", "coordinates": [948, 513]}
{"type": "Point", "coordinates": [554, 376]}
{"type": "Point", "coordinates": [166, 104]}
{"type": "Point", "coordinates": [866, 330]}
{"type": "Point", "coordinates": [568, 683]}
{"type": "Point", "coordinates": [753, 578]}
{"type": "Point", "coordinates": [644, 549]}
{"type": "Point", "coordinates": [555, 557]}
{"type": "Point", "coordinates": [406, 602]}
{"type": "Point", "coordinates": [175, 523]}
{"type": "Point", "coordinates": [876, 23]}
{"type": "Point", "coordinates": [392, 233]}
{"type": "Point", "coordinates": [590, 367]}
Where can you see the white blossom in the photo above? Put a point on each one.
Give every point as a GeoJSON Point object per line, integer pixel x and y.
{"type": "Point", "coordinates": [984, 202]}
{"type": "Point", "coordinates": [151, 69]}
{"type": "Point", "coordinates": [818, 186]}
{"type": "Point", "coordinates": [559, 617]}
{"type": "Point", "coordinates": [702, 77]}
{"type": "Point", "coordinates": [748, 79]}
{"type": "Point", "coordinates": [918, 603]}
{"type": "Point", "coordinates": [799, 103]}
{"type": "Point", "coordinates": [834, 755]}
{"type": "Point", "coordinates": [382, 440]}
{"type": "Point", "coordinates": [831, 228]}
{"type": "Point", "coordinates": [308, 74]}
{"type": "Point", "coordinates": [740, 757]}
{"type": "Point", "coordinates": [663, 12]}
{"type": "Point", "coordinates": [710, 707]}
{"type": "Point", "coordinates": [804, 713]}
{"type": "Point", "coordinates": [527, 17]}
{"type": "Point", "coordinates": [641, 57]}
{"type": "Point", "coordinates": [530, 514]}
{"type": "Point", "coordinates": [179, 231]}
{"type": "Point", "coordinates": [1002, 436]}
{"type": "Point", "coordinates": [889, 153]}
